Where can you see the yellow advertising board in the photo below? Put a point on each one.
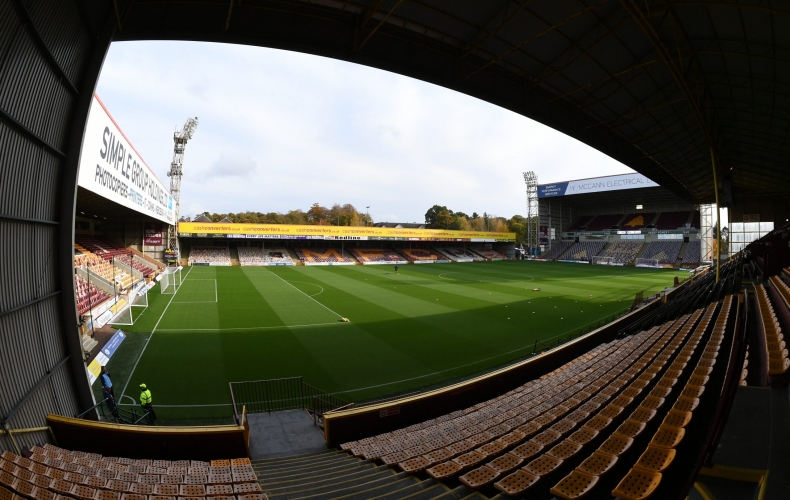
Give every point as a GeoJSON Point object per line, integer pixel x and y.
{"type": "Point", "coordinates": [288, 231]}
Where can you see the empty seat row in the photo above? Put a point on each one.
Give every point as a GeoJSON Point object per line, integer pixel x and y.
{"type": "Point", "coordinates": [52, 473]}
{"type": "Point", "coordinates": [778, 362]}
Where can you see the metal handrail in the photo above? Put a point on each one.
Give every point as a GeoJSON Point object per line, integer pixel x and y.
{"type": "Point", "coordinates": [123, 416]}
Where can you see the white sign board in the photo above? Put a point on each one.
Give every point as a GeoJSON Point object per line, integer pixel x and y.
{"type": "Point", "coordinates": [596, 185]}
{"type": "Point", "coordinates": [112, 168]}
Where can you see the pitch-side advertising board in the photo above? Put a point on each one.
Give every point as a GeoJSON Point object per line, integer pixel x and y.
{"type": "Point", "coordinates": [112, 168]}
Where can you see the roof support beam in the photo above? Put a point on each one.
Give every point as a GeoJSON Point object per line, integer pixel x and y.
{"type": "Point", "coordinates": [381, 23]}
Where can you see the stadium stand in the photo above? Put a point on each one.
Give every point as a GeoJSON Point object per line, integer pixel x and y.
{"type": "Point", "coordinates": [51, 473]}
{"type": "Point", "coordinates": [584, 250]}
{"type": "Point", "coordinates": [461, 254]}
{"type": "Point", "coordinates": [322, 255]}
{"type": "Point", "coordinates": [254, 256]}
{"type": "Point", "coordinates": [666, 251]}
{"type": "Point", "coordinates": [602, 222]}
{"type": "Point", "coordinates": [696, 221]}
{"type": "Point", "coordinates": [612, 418]}
{"type": "Point", "coordinates": [423, 255]}
{"type": "Point", "coordinates": [672, 220]}
{"type": "Point", "coordinates": [558, 249]}
{"type": "Point", "coordinates": [693, 255]}
{"type": "Point", "coordinates": [88, 295]}
{"type": "Point", "coordinates": [209, 255]}
{"type": "Point", "coordinates": [106, 249]}
{"type": "Point", "coordinates": [769, 326]}
{"type": "Point", "coordinates": [622, 252]}
{"type": "Point", "coordinates": [581, 223]}
{"type": "Point", "coordinates": [637, 221]}
{"type": "Point", "coordinates": [490, 254]}
{"type": "Point", "coordinates": [371, 255]}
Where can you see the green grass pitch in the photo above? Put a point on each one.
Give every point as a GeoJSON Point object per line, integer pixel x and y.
{"type": "Point", "coordinates": [422, 327]}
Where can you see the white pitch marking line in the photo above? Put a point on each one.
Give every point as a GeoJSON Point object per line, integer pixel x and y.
{"type": "Point", "coordinates": [308, 283]}
{"type": "Point", "coordinates": [151, 336]}
{"type": "Point", "coordinates": [308, 296]}
{"type": "Point", "coordinates": [243, 329]}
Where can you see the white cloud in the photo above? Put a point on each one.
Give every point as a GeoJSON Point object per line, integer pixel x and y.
{"type": "Point", "coordinates": [282, 130]}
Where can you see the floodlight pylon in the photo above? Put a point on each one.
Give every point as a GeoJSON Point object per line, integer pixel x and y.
{"type": "Point", "coordinates": [180, 138]}
{"type": "Point", "coordinates": [532, 236]}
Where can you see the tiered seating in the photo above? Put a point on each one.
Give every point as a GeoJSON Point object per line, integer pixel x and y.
{"type": "Point", "coordinates": [693, 254]}
{"type": "Point", "coordinates": [557, 249]}
{"type": "Point", "coordinates": [459, 254]}
{"type": "Point", "coordinates": [88, 295]}
{"type": "Point", "coordinates": [604, 222]}
{"type": "Point", "coordinates": [623, 252]}
{"type": "Point", "coordinates": [376, 255]}
{"type": "Point", "coordinates": [96, 264]}
{"type": "Point", "coordinates": [584, 250]}
{"type": "Point", "coordinates": [53, 473]}
{"type": "Point", "coordinates": [579, 418]}
{"type": "Point", "coordinates": [101, 246]}
{"type": "Point", "coordinates": [420, 254]}
{"type": "Point", "coordinates": [209, 255]}
{"type": "Point", "coordinates": [637, 221]}
{"type": "Point", "coordinates": [672, 220]}
{"type": "Point", "coordinates": [490, 254]}
{"type": "Point", "coordinates": [321, 255]}
{"type": "Point", "coordinates": [666, 251]}
{"type": "Point", "coordinates": [130, 261]}
{"type": "Point", "coordinates": [581, 223]}
{"type": "Point", "coordinates": [778, 362]}
{"type": "Point", "coordinates": [252, 256]}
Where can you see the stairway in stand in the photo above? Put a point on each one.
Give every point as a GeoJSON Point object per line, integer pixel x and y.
{"type": "Point", "coordinates": [338, 474]}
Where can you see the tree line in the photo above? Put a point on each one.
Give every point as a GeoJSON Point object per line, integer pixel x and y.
{"type": "Point", "coordinates": [337, 215]}
{"type": "Point", "coordinates": [441, 217]}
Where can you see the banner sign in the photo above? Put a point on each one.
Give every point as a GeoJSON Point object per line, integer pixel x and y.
{"type": "Point", "coordinates": [103, 357]}
{"type": "Point", "coordinates": [380, 262]}
{"type": "Point", "coordinates": [113, 169]}
{"type": "Point", "coordinates": [595, 185]}
{"type": "Point", "coordinates": [288, 231]}
{"type": "Point", "coordinates": [153, 234]}
{"type": "Point", "coordinates": [543, 234]}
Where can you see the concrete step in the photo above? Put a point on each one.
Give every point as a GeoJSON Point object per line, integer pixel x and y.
{"type": "Point", "coordinates": [323, 475]}
{"type": "Point", "coordinates": [342, 488]}
{"type": "Point", "coordinates": [422, 490]}
{"type": "Point", "coordinates": [332, 483]}
{"type": "Point", "coordinates": [297, 458]}
{"type": "Point", "coordinates": [305, 472]}
{"type": "Point", "coordinates": [306, 467]}
{"type": "Point", "coordinates": [395, 489]}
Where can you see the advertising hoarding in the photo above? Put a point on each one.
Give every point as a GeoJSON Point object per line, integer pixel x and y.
{"type": "Point", "coordinates": [595, 185]}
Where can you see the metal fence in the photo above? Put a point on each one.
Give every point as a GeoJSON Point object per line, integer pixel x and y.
{"type": "Point", "coordinates": [106, 412]}
{"type": "Point", "coordinates": [265, 396]}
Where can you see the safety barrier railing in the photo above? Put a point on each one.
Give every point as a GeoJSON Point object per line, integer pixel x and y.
{"type": "Point", "coordinates": [104, 412]}
{"type": "Point", "coordinates": [266, 396]}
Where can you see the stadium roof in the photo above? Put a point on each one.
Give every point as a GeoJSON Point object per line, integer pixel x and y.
{"type": "Point", "coordinates": [658, 86]}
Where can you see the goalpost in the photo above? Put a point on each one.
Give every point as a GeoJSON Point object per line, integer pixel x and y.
{"type": "Point", "coordinates": [137, 302]}
{"type": "Point", "coordinates": [602, 261]}
{"type": "Point", "coordinates": [171, 280]}
{"type": "Point", "coordinates": [647, 263]}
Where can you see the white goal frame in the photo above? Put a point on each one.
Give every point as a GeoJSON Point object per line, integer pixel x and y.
{"type": "Point", "coordinates": [647, 263]}
{"type": "Point", "coordinates": [171, 280]}
{"type": "Point", "coordinates": [603, 261]}
{"type": "Point", "coordinates": [137, 304]}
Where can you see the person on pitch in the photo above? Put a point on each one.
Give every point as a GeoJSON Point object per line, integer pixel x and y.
{"type": "Point", "coordinates": [396, 268]}
{"type": "Point", "coordinates": [146, 401]}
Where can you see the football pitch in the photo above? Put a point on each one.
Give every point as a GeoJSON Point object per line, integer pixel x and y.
{"type": "Point", "coordinates": [421, 327]}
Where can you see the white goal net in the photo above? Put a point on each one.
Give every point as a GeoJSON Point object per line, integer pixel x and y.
{"type": "Point", "coordinates": [171, 280]}
{"type": "Point", "coordinates": [602, 261]}
{"type": "Point", "coordinates": [131, 305]}
{"type": "Point", "coordinates": [647, 263]}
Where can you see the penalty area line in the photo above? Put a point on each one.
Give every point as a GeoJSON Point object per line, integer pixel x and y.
{"type": "Point", "coordinates": [308, 296]}
{"type": "Point", "coordinates": [151, 336]}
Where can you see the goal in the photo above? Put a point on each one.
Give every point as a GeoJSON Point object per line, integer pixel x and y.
{"type": "Point", "coordinates": [171, 280]}
{"type": "Point", "coordinates": [131, 305]}
{"type": "Point", "coordinates": [602, 261]}
{"type": "Point", "coordinates": [647, 263]}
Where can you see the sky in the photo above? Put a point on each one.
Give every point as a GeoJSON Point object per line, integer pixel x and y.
{"type": "Point", "coordinates": [282, 130]}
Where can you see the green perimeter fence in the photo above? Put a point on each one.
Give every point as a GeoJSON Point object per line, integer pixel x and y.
{"type": "Point", "coordinates": [266, 396]}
